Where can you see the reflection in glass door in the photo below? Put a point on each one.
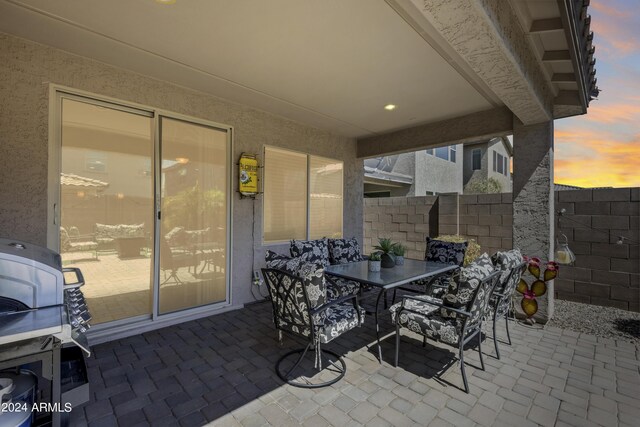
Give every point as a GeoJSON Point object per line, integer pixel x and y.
{"type": "Point", "coordinates": [193, 224]}
{"type": "Point", "coordinates": [106, 198]}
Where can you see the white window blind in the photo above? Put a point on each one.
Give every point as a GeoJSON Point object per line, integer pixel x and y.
{"type": "Point", "coordinates": [286, 198]}
{"type": "Point", "coordinates": [285, 195]}
{"type": "Point", "coordinates": [325, 198]}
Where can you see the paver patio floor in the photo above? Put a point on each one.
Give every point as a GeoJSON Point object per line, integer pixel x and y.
{"type": "Point", "coordinates": [220, 369]}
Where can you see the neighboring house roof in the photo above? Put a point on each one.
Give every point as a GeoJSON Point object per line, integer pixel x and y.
{"type": "Point", "coordinates": [505, 141]}
{"type": "Point", "coordinates": [377, 176]}
{"type": "Point", "coordinates": [71, 180]}
{"type": "Point", "coordinates": [563, 187]}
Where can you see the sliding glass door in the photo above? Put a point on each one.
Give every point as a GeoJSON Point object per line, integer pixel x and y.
{"type": "Point", "coordinates": [106, 200]}
{"type": "Point", "coordinates": [144, 208]}
{"type": "Point", "coordinates": [193, 225]}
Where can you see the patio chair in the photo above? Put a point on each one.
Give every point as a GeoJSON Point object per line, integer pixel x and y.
{"type": "Point", "coordinates": [455, 320]}
{"type": "Point", "coordinates": [171, 262]}
{"type": "Point", "coordinates": [436, 251]}
{"type": "Point", "coordinates": [511, 266]}
{"type": "Point", "coordinates": [72, 241]}
{"type": "Point", "coordinates": [300, 308]}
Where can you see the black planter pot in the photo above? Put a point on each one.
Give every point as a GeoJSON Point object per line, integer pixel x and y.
{"type": "Point", "coordinates": [387, 261]}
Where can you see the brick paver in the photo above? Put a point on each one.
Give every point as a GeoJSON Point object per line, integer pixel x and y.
{"type": "Point", "coordinates": [220, 369]}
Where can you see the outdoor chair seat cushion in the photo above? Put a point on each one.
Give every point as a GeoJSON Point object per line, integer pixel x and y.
{"type": "Point", "coordinates": [338, 287]}
{"type": "Point", "coordinates": [462, 287]}
{"type": "Point", "coordinates": [425, 320]}
{"type": "Point", "coordinates": [316, 251]}
{"type": "Point", "coordinates": [437, 288]}
{"type": "Point", "coordinates": [337, 320]}
{"type": "Point", "coordinates": [506, 262]}
{"type": "Point", "coordinates": [343, 251]}
{"type": "Point", "coordinates": [69, 244]}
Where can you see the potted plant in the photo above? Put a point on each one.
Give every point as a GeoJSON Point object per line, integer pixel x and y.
{"type": "Point", "coordinates": [374, 261]}
{"type": "Point", "coordinates": [399, 250]}
{"type": "Point", "coordinates": [385, 247]}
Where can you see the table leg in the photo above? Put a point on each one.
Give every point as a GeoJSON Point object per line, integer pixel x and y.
{"type": "Point", "coordinates": [375, 314]}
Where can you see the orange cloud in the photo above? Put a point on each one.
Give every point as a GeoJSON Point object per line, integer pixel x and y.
{"type": "Point", "coordinates": [612, 113]}
{"type": "Point", "coordinates": [586, 159]}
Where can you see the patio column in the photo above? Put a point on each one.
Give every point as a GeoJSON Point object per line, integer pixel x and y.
{"type": "Point", "coordinates": [533, 200]}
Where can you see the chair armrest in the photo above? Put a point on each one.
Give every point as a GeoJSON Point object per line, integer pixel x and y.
{"type": "Point", "coordinates": [455, 310]}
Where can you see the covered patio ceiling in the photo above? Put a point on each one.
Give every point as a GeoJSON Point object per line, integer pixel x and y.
{"type": "Point", "coordinates": [333, 65]}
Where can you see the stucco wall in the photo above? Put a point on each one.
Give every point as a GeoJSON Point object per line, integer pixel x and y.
{"type": "Point", "coordinates": [434, 174]}
{"type": "Point", "coordinates": [27, 68]}
{"type": "Point", "coordinates": [505, 180]}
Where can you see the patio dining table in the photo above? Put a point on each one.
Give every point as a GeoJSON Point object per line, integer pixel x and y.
{"type": "Point", "coordinates": [388, 278]}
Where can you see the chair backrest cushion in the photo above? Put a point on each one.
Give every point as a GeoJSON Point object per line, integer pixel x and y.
{"type": "Point", "coordinates": [311, 250]}
{"type": "Point", "coordinates": [448, 252]}
{"type": "Point", "coordinates": [343, 251]}
{"type": "Point", "coordinates": [506, 262]}
{"type": "Point", "coordinates": [312, 274]}
{"type": "Point", "coordinates": [462, 286]}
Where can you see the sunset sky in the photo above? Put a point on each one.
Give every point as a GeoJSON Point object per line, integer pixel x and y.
{"type": "Point", "coordinates": [602, 148]}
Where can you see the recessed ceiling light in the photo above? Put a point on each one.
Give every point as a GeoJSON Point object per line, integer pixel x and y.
{"type": "Point", "coordinates": [389, 107]}
{"type": "Point", "coordinates": [166, 1]}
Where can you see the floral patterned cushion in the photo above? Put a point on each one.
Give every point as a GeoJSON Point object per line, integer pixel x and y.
{"type": "Point", "coordinates": [462, 287]}
{"type": "Point", "coordinates": [343, 251]}
{"type": "Point", "coordinates": [281, 262]}
{"type": "Point", "coordinates": [448, 252]}
{"type": "Point", "coordinates": [339, 287]}
{"type": "Point", "coordinates": [312, 273]}
{"type": "Point", "coordinates": [338, 319]}
{"type": "Point", "coordinates": [505, 262]}
{"type": "Point", "coordinates": [424, 320]}
{"type": "Point", "coordinates": [311, 250]}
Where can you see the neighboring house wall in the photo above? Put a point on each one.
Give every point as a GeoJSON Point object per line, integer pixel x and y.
{"type": "Point", "coordinates": [28, 67]}
{"type": "Point", "coordinates": [430, 174]}
{"type": "Point", "coordinates": [505, 180]}
{"type": "Point", "coordinates": [469, 174]}
{"type": "Point", "coordinates": [486, 170]}
{"type": "Point", "coordinates": [436, 175]}
{"type": "Point", "coordinates": [604, 272]}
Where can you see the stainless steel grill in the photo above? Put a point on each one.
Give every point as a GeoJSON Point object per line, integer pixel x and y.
{"type": "Point", "coordinates": [43, 319]}
{"type": "Point", "coordinates": [34, 298]}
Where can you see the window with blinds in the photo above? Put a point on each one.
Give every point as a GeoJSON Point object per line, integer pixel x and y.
{"type": "Point", "coordinates": [287, 176]}
{"type": "Point", "coordinates": [325, 198]}
{"type": "Point", "coordinates": [285, 195]}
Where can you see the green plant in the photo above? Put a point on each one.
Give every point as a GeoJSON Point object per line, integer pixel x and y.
{"type": "Point", "coordinates": [473, 248]}
{"type": "Point", "coordinates": [398, 249]}
{"type": "Point", "coordinates": [384, 245]}
{"type": "Point", "coordinates": [375, 256]}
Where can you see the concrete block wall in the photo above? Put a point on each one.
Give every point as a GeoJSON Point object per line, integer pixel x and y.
{"type": "Point", "coordinates": [403, 219]}
{"type": "Point", "coordinates": [486, 218]}
{"type": "Point", "coordinates": [604, 273]}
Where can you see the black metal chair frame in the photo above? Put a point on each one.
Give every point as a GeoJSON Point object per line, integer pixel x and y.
{"type": "Point", "coordinates": [468, 332]}
{"type": "Point", "coordinates": [502, 303]}
{"type": "Point", "coordinates": [293, 311]}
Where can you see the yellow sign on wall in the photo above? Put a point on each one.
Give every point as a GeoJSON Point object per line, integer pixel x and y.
{"type": "Point", "coordinates": [248, 166]}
